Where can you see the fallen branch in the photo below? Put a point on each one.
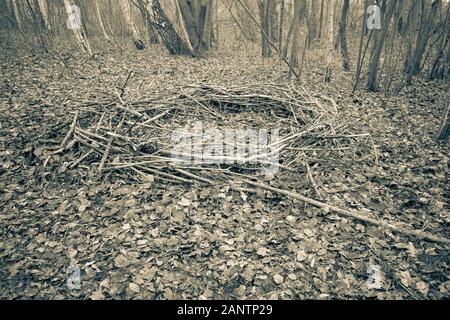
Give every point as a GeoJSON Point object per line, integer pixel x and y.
{"type": "Point", "coordinates": [412, 233]}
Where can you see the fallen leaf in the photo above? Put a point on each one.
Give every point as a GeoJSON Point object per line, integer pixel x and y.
{"type": "Point", "coordinates": [279, 279]}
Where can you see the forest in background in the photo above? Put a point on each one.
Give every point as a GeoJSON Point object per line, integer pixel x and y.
{"type": "Point", "coordinates": [407, 39]}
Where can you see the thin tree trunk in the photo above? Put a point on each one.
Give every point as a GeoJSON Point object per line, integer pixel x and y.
{"type": "Point", "coordinates": [263, 9]}
{"type": "Point", "coordinates": [217, 24]}
{"type": "Point", "coordinates": [439, 66]}
{"type": "Point", "coordinates": [312, 26]}
{"type": "Point", "coordinates": [412, 17]}
{"type": "Point", "coordinates": [38, 23]}
{"type": "Point", "coordinates": [152, 36]}
{"type": "Point", "coordinates": [444, 129]}
{"type": "Point", "coordinates": [280, 29]}
{"type": "Point", "coordinates": [322, 6]}
{"type": "Point", "coordinates": [294, 49]}
{"type": "Point", "coordinates": [129, 22]}
{"type": "Point", "coordinates": [42, 4]}
{"type": "Point", "coordinates": [343, 35]}
{"type": "Point", "coordinates": [361, 42]}
{"type": "Point", "coordinates": [424, 36]}
{"type": "Point", "coordinates": [206, 36]}
{"type": "Point", "coordinates": [373, 80]}
{"type": "Point", "coordinates": [100, 21]}
{"type": "Point", "coordinates": [16, 12]}
{"type": "Point", "coordinates": [165, 29]}
{"type": "Point", "coordinates": [77, 29]}
{"type": "Point", "coordinates": [288, 38]}
{"type": "Point", "coordinates": [331, 23]}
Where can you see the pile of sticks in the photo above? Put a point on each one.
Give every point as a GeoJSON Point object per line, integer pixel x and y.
{"type": "Point", "coordinates": [135, 138]}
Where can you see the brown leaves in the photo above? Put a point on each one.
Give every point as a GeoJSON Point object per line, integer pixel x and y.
{"type": "Point", "coordinates": [278, 279]}
{"type": "Point", "coordinates": [195, 242]}
{"type": "Point", "coordinates": [121, 261]}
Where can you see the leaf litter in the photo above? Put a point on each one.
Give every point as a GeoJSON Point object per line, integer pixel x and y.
{"type": "Point", "coordinates": [142, 239]}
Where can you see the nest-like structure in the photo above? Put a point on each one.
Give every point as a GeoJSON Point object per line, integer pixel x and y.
{"type": "Point", "coordinates": [138, 138]}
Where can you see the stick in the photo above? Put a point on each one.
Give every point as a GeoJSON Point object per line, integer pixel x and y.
{"type": "Point", "coordinates": [87, 154]}
{"type": "Point", "coordinates": [311, 179]}
{"type": "Point", "coordinates": [193, 176]}
{"type": "Point", "coordinates": [158, 116]}
{"type": "Point", "coordinates": [412, 233]}
{"type": "Point", "coordinates": [72, 129]}
{"type": "Point", "coordinates": [105, 155]}
{"type": "Point", "coordinates": [122, 90]}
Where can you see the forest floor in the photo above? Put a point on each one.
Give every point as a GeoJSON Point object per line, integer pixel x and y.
{"type": "Point", "coordinates": [145, 241]}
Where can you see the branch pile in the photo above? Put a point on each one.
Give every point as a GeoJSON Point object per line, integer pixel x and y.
{"type": "Point", "coordinates": [135, 138]}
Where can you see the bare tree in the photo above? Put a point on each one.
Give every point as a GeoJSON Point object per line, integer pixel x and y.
{"type": "Point", "coordinates": [280, 29]}
{"type": "Point", "coordinates": [375, 61]}
{"type": "Point", "coordinates": [424, 34]}
{"type": "Point", "coordinates": [439, 68]}
{"type": "Point", "coordinates": [343, 35]}
{"type": "Point", "coordinates": [100, 21]}
{"type": "Point", "coordinates": [77, 26]}
{"type": "Point", "coordinates": [444, 128]}
{"type": "Point", "coordinates": [129, 22]}
{"type": "Point", "coordinates": [165, 29]}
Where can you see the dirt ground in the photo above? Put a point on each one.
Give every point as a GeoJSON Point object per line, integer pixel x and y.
{"type": "Point", "coordinates": [161, 241]}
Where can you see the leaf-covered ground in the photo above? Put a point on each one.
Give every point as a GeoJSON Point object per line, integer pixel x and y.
{"type": "Point", "coordinates": [157, 241]}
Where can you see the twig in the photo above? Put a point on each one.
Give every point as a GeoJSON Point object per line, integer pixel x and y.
{"type": "Point", "coordinates": [72, 129]}
{"type": "Point", "coordinates": [79, 160]}
{"type": "Point", "coordinates": [105, 155]}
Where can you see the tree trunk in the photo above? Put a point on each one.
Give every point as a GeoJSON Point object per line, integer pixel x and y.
{"type": "Point", "coordinates": [206, 36]}
{"type": "Point", "coordinates": [280, 29]}
{"type": "Point", "coordinates": [165, 29]}
{"type": "Point", "coordinates": [152, 36]}
{"type": "Point", "coordinates": [440, 59]}
{"type": "Point", "coordinates": [409, 30]}
{"type": "Point", "coordinates": [360, 61]}
{"type": "Point", "coordinates": [42, 4]}
{"type": "Point", "coordinates": [129, 22]}
{"type": "Point", "coordinates": [74, 21]}
{"type": "Point", "coordinates": [38, 22]}
{"type": "Point", "coordinates": [343, 35]}
{"type": "Point", "coordinates": [263, 16]}
{"type": "Point", "coordinates": [331, 23]}
{"type": "Point", "coordinates": [312, 25]}
{"type": "Point", "coordinates": [100, 21]}
{"type": "Point", "coordinates": [444, 129]}
{"type": "Point", "coordinates": [322, 5]}
{"type": "Point", "coordinates": [375, 61]}
{"type": "Point", "coordinates": [16, 12]}
{"type": "Point", "coordinates": [424, 36]}
{"type": "Point", "coordinates": [196, 16]}
{"type": "Point", "coordinates": [295, 24]}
